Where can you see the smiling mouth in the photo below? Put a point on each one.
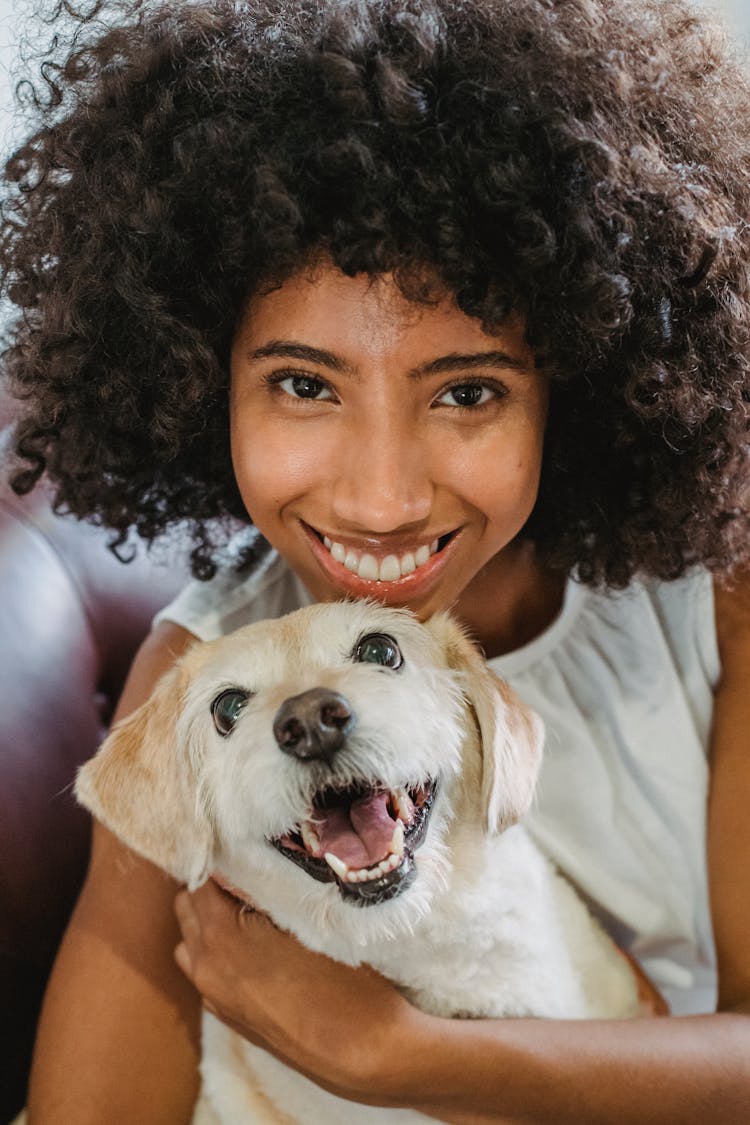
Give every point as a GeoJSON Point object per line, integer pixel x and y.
{"type": "Point", "coordinates": [389, 568]}
{"type": "Point", "coordinates": [363, 838]}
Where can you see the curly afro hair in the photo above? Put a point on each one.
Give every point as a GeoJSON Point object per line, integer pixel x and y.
{"type": "Point", "coordinates": [583, 162]}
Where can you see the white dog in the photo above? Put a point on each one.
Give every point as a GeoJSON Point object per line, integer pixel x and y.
{"type": "Point", "coordinates": [359, 776]}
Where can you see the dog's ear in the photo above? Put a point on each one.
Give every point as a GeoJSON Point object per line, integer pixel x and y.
{"type": "Point", "coordinates": [511, 734]}
{"type": "Point", "coordinates": [141, 785]}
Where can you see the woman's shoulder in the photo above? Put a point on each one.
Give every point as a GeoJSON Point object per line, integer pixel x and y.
{"type": "Point", "coordinates": [650, 621]}
{"type": "Point", "coordinates": [732, 600]}
{"type": "Point", "coordinates": [656, 624]}
{"type": "Point", "coordinates": [680, 612]}
{"type": "Point", "coordinates": [233, 598]}
{"type": "Point", "coordinates": [160, 649]}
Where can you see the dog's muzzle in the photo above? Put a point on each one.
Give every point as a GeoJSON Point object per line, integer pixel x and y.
{"type": "Point", "coordinates": [361, 836]}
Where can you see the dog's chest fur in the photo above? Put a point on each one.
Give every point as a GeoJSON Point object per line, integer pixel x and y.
{"type": "Point", "coordinates": [508, 937]}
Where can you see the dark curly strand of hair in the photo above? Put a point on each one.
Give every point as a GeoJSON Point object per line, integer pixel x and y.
{"type": "Point", "coordinates": [584, 162]}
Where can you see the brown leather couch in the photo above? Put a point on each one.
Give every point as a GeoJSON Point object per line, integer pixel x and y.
{"type": "Point", "coordinates": [71, 618]}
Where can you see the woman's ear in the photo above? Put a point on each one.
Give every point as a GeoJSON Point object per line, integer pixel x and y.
{"type": "Point", "coordinates": [511, 735]}
{"type": "Point", "coordinates": [141, 784]}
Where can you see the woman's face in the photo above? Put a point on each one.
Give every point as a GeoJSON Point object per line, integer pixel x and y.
{"type": "Point", "coordinates": [386, 449]}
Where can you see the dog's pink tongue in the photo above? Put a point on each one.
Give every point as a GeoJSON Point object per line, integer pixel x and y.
{"type": "Point", "coordinates": [359, 835]}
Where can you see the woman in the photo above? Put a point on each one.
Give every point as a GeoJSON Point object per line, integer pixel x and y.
{"type": "Point", "coordinates": [381, 279]}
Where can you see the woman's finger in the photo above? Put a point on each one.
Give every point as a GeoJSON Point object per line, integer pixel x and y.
{"type": "Point", "coordinates": [187, 916]}
{"type": "Point", "coordinates": [182, 957]}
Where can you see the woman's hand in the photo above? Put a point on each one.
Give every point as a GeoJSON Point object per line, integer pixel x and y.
{"type": "Point", "coordinates": [347, 1029]}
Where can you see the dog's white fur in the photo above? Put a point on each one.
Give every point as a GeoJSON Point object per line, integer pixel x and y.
{"type": "Point", "coordinates": [487, 928]}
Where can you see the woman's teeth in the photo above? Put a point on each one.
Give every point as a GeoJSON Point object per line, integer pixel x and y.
{"type": "Point", "coordinates": [389, 569]}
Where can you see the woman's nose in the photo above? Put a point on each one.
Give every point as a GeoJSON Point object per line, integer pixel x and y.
{"type": "Point", "coordinates": [384, 479]}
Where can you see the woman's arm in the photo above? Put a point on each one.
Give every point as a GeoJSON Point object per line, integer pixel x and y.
{"type": "Point", "coordinates": [118, 1040]}
{"type": "Point", "coordinates": [350, 1031]}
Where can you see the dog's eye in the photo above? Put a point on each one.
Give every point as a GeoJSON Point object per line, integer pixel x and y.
{"type": "Point", "coordinates": [378, 648]}
{"type": "Point", "coordinates": [227, 708]}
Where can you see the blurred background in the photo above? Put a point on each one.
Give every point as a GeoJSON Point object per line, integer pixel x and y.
{"type": "Point", "coordinates": [737, 13]}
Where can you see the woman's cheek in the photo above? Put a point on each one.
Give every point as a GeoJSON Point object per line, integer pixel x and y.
{"type": "Point", "coordinates": [502, 477]}
{"type": "Point", "coordinates": [274, 465]}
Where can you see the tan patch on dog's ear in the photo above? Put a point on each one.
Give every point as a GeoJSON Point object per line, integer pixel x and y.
{"type": "Point", "coordinates": [511, 734]}
{"type": "Point", "coordinates": [141, 785]}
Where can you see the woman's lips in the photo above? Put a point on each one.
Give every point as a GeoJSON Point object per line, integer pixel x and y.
{"type": "Point", "coordinates": [410, 585]}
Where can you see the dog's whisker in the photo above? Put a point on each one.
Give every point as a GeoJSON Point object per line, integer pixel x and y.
{"type": "Point", "coordinates": [66, 789]}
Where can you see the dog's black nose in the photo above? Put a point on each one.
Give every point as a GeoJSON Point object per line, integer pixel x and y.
{"type": "Point", "coordinates": [314, 724]}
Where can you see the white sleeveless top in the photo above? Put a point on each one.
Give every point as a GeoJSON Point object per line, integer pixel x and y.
{"type": "Point", "coordinates": [624, 682]}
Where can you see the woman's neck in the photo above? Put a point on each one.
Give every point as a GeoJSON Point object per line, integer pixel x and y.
{"type": "Point", "coordinates": [512, 600]}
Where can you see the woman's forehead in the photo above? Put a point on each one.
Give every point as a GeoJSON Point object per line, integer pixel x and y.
{"type": "Point", "coordinates": [324, 308]}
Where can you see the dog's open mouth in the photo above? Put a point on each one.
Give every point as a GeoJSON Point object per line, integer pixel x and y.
{"type": "Point", "coordinates": [363, 837]}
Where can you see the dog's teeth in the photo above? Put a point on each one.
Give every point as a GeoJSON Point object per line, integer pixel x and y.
{"type": "Point", "coordinates": [397, 840]}
{"type": "Point", "coordinates": [389, 864]}
{"type": "Point", "coordinates": [404, 806]}
{"type": "Point", "coordinates": [363, 874]}
{"type": "Point", "coordinates": [337, 866]}
{"type": "Point", "coordinates": [310, 838]}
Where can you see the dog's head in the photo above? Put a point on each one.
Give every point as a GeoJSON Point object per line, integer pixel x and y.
{"type": "Point", "coordinates": [314, 754]}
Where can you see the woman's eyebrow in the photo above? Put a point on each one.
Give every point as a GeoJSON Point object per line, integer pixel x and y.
{"type": "Point", "coordinates": [455, 361]}
{"type": "Point", "coordinates": [462, 362]}
{"type": "Point", "coordinates": [288, 349]}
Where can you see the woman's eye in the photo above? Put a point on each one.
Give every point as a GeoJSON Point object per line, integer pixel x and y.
{"type": "Point", "coordinates": [378, 648]}
{"type": "Point", "coordinates": [305, 386]}
{"type": "Point", "coordinates": [468, 394]}
{"type": "Point", "coordinates": [227, 708]}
